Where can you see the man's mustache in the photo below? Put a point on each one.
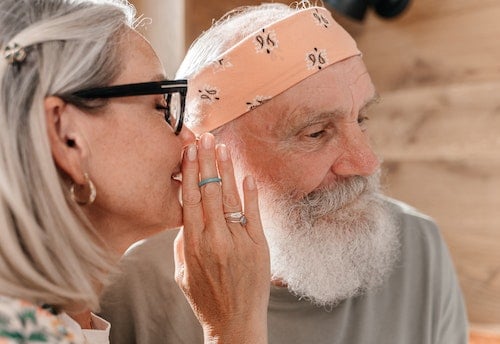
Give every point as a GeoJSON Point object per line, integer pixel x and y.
{"type": "Point", "coordinates": [328, 200]}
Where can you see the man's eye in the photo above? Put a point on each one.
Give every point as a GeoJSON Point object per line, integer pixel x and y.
{"type": "Point", "coordinates": [316, 134]}
{"type": "Point", "coordinates": [362, 121]}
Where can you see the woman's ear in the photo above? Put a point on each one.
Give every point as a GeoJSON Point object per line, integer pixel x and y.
{"type": "Point", "coordinates": [65, 137]}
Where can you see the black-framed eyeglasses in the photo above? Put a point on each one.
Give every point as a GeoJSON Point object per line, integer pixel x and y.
{"type": "Point", "coordinates": [174, 91]}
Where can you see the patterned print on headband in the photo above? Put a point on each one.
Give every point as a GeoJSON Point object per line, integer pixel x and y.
{"type": "Point", "coordinates": [267, 63]}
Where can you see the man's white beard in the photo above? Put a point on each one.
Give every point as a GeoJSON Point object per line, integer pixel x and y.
{"type": "Point", "coordinates": [331, 244]}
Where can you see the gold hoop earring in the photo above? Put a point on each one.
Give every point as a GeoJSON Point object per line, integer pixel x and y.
{"type": "Point", "coordinates": [92, 192]}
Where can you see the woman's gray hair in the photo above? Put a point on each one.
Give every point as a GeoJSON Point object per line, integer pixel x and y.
{"type": "Point", "coordinates": [225, 33]}
{"type": "Point", "coordinates": [49, 253]}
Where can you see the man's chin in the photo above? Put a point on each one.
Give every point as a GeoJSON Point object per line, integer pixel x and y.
{"type": "Point", "coordinates": [341, 255]}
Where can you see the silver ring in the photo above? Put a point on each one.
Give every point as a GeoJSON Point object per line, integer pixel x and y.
{"type": "Point", "coordinates": [209, 180]}
{"type": "Point", "coordinates": [236, 217]}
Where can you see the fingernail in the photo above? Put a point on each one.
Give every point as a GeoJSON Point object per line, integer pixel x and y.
{"type": "Point", "coordinates": [191, 152]}
{"type": "Point", "coordinates": [222, 151]}
{"type": "Point", "coordinates": [207, 141]}
{"type": "Point", "coordinates": [250, 183]}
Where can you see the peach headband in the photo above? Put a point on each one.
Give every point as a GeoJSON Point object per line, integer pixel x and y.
{"type": "Point", "coordinates": [265, 64]}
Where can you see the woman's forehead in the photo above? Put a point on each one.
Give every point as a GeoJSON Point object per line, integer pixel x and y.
{"type": "Point", "coordinates": [140, 63]}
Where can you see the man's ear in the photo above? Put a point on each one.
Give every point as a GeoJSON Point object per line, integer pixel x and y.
{"type": "Point", "coordinates": [65, 138]}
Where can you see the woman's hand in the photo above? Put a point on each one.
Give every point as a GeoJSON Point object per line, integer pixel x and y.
{"type": "Point", "coordinates": [222, 267]}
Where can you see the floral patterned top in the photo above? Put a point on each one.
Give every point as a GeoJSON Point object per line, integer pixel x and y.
{"type": "Point", "coordinates": [24, 322]}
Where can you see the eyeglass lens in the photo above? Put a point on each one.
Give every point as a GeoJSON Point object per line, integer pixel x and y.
{"type": "Point", "coordinates": [173, 114]}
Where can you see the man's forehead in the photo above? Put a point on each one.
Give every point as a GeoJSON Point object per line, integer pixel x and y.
{"type": "Point", "coordinates": [281, 119]}
{"type": "Point", "coordinates": [333, 90]}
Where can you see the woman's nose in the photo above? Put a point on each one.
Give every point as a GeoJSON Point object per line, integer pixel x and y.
{"type": "Point", "coordinates": [186, 136]}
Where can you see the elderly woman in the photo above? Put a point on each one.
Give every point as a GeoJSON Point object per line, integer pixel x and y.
{"type": "Point", "coordinates": [91, 141]}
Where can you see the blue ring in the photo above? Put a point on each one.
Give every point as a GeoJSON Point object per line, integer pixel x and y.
{"type": "Point", "coordinates": [209, 180]}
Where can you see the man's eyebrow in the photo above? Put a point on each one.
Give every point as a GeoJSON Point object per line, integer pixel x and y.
{"type": "Point", "coordinates": [373, 100]}
{"type": "Point", "coordinates": [321, 116]}
{"type": "Point", "coordinates": [339, 112]}
{"type": "Point", "coordinates": [296, 127]}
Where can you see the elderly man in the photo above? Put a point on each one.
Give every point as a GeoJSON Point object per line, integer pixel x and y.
{"type": "Point", "coordinates": [286, 89]}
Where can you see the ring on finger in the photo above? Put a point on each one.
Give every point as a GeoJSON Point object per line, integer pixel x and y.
{"type": "Point", "coordinates": [236, 217]}
{"type": "Point", "coordinates": [209, 180]}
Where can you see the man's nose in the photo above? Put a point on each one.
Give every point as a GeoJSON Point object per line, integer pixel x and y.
{"type": "Point", "coordinates": [356, 157]}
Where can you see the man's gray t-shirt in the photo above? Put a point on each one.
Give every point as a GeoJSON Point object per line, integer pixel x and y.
{"type": "Point", "coordinates": [420, 303]}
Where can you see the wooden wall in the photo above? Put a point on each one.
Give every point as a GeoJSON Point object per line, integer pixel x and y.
{"type": "Point", "coordinates": [163, 25]}
{"type": "Point", "coordinates": [437, 68]}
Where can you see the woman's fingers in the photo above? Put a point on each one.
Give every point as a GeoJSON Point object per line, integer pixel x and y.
{"type": "Point", "coordinates": [230, 196]}
{"type": "Point", "coordinates": [191, 196]}
{"type": "Point", "coordinates": [254, 225]}
{"type": "Point", "coordinates": [204, 206]}
{"type": "Point", "coordinates": [211, 193]}
{"type": "Point", "coordinates": [208, 167]}
{"type": "Point", "coordinates": [179, 259]}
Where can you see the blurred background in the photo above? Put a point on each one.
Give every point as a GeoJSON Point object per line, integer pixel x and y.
{"type": "Point", "coordinates": [437, 68]}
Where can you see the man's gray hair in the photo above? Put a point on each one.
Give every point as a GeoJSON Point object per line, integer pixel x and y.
{"type": "Point", "coordinates": [227, 31]}
{"type": "Point", "coordinates": [49, 253]}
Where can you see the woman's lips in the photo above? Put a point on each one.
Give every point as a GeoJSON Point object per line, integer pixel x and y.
{"type": "Point", "coordinates": [177, 176]}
